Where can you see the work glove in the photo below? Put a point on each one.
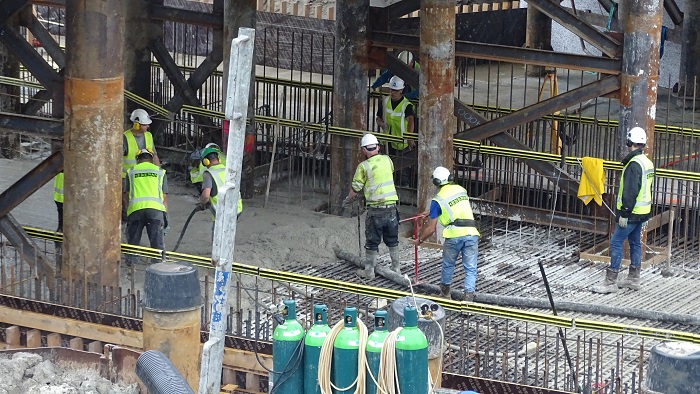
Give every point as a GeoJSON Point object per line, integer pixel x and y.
{"type": "Point", "coordinates": [202, 207]}
{"type": "Point", "coordinates": [622, 222]}
{"type": "Point", "coordinates": [347, 201]}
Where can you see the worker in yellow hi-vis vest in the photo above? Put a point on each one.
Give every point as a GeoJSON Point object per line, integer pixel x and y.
{"type": "Point", "coordinates": [212, 181]}
{"type": "Point", "coordinates": [145, 197]}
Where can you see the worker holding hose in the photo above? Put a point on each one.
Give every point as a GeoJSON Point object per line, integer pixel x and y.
{"type": "Point", "coordinates": [213, 180]}
{"type": "Point", "coordinates": [376, 176]}
{"type": "Point", "coordinates": [451, 207]}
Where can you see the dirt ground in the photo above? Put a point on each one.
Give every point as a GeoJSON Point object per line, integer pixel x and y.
{"type": "Point", "coordinates": [286, 230]}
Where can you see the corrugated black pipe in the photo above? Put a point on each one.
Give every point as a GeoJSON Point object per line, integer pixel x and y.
{"type": "Point", "coordinates": [159, 375]}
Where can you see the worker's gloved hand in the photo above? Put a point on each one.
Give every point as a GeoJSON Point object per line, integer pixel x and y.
{"type": "Point", "coordinates": [622, 222]}
{"type": "Point", "coordinates": [347, 201]}
{"type": "Point", "coordinates": [202, 207]}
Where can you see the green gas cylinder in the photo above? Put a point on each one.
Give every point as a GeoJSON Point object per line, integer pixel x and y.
{"type": "Point", "coordinates": [375, 341]}
{"type": "Point", "coordinates": [287, 354]}
{"type": "Point", "coordinates": [412, 355]}
{"type": "Point", "coordinates": [345, 353]}
{"type": "Point", "coordinates": [312, 349]}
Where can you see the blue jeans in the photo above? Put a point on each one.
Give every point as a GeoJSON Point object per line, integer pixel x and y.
{"type": "Point", "coordinates": [469, 247]}
{"type": "Point", "coordinates": [633, 234]}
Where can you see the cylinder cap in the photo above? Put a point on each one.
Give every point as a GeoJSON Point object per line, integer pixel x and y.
{"type": "Point", "coordinates": [291, 306]}
{"type": "Point", "coordinates": [380, 321]}
{"type": "Point", "coordinates": [171, 287]}
{"type": "Point", "coordinates": [410, 316]}
{"type": "Point", "coordinates": [320, 314]}
{"type": "Point", "coordinates": [350, 316]}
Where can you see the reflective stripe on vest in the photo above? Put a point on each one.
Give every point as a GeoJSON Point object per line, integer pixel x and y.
{"type": "Point", "coordinates": [58, 187]}
{"type": "Point", "coordinates": [146, 187]}
{"type": "Point", "coordinates": [218, 174]}
{"type": "Point", "coordinates": [642, 205]}
{"type": "Point", "coordinates": [454, 204]}
{"type": "Point", "coordinates": [396, 121]}
{"type": "Point", "coordinates": [379, 188]}
{"type": "Point", "coordinates": [132, 148]}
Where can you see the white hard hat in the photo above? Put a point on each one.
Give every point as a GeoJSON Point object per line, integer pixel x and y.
{"type": "Point", "coordinates": [406, 57]}
{"type": "Point", "coordinates": [369, 139]}
{"type": "Point", "coordinates": [140, 116]}
{"type": "Point", "coordinates": [441, 176]}
{"type": "Point", "coordinates": [212, 145]}
{"type": "Point", "coordinates": [637, 135]}
{"type": "Point", "coordinates": [396, 83]}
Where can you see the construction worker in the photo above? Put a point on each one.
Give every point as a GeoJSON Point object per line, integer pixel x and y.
{"type": "Point", "coordinates": [452, 209]}
{"type": "Point", "coordinates": [58, 199]}
{"type": "Point", "coordinates": [396, 115]}
{"type": "Point", "coordinates": [146, 189]}
{"type": "Point", "coordinates": [633, 210]}
{"type": "Point", "coordinates": [197, 168]}
{"type": "Point", "coordinates": [385, 76]}
{"type": "Point", "coordinates": [136, 138]}
{"type": "Point", "coordinates": [213, 180]}
{"type": "Point", "coordinates": [375, 176]}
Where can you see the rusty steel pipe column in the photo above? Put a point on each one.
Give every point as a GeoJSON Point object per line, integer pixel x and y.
{"type": "Point", "coordinates": [94, 105]}
{"type": "Point", "coordinates": [237, 14]}
{"type": "Point", "coordinates": [640, 70]}
{"type": "Point", "coordinates": [538, 35]}
{"type": "Point", "coordinates": [436, 84]}
{"type": "Point", "coordinates": [690, 51]}
{"type": "Point", "coordinates": [137, 55]}
{"type": "Point", "coordinates": [350, 94]}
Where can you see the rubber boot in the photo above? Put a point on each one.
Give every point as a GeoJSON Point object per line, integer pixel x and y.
{"type": "Point", "coordinates": [445, 291]}
{"type": "Point", "coordinates": [632, 280]}
{"type": "Point", "coordinates": [609, 285]}
{"type": "Point", "coordinates": [370, 263]}
{"type": "Point", "coordinates": [395, 262]}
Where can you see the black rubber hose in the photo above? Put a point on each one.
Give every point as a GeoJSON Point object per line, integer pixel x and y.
{"type": "Point", "coordinates": [184, 228]}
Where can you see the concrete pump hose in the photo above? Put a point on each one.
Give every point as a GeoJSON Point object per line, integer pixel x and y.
{"type": "Point", "coordinates": [326, 358]}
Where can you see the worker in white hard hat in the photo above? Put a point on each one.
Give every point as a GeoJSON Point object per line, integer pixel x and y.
{"type": "Point", "coordinates": [385, 76]}
{"type": "Point", "coordinates": [135, 139]}
{"type": "Point", "coordinates": [145, 196]}
{"type": "Point", "coordinates": [376, 177]}
{"type": "Point", "coordinates": [396, 116]}
{"type": "Point", "coordinates": [634, 199]}
{"type": "Point", "coordinates": [451, 207]}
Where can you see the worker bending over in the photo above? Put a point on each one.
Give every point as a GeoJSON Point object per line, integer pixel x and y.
{"type": "Point", "coordinates": [212, 181]}
{"type": "Point", "coordinates": [145, 197]}
{"type": "Point", "coordinates": [452, 209]}
{"type": "Point", "coordinates": [376, 176]}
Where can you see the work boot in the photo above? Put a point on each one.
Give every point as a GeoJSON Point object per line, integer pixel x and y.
{"type": "Point", "coordinates": [370, 263]}
{"type": "Point", "coordinates": [632, 280]}
{"type": "Point", "coordinates": [395, 262]}
{"type": "Point", "coordinates": [445, 291]}
{"type": "Point", "coordinates": [469, 296]}
{"type": "Point", "coordinates": [609, 285]}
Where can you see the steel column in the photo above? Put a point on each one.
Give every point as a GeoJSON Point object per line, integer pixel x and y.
{"type": "Point", "coordinates": [31, 59]}
{"type": "Point", "coordinates": [9, 8]}
{"type": "Point", "coordinates": [9, 96]}
{"type": "Point", "coordinates": [94, 87]}
{"type": "Point", "coordinates": [137, 56]}
{"type": "Point", "coordinates": [239, 14]}
{"type": "Point", "coordinates": [690, 51]}
{"type": "Point", "coordinates": [436, 87]}
{"type": "Point", "coordinates": [538, 35]}
{"type": "Point", "coordinates": [350, 95]}
{"type": "Point", "coordinates": [606, 44]}
{"type": "Point", "coordinates": [640, 70]}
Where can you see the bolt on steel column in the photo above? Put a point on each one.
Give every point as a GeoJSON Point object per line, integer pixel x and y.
{"type": "Point", "coordinates": [436, 84]}
{"type": "Point", "coordinates": [94, 105]}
